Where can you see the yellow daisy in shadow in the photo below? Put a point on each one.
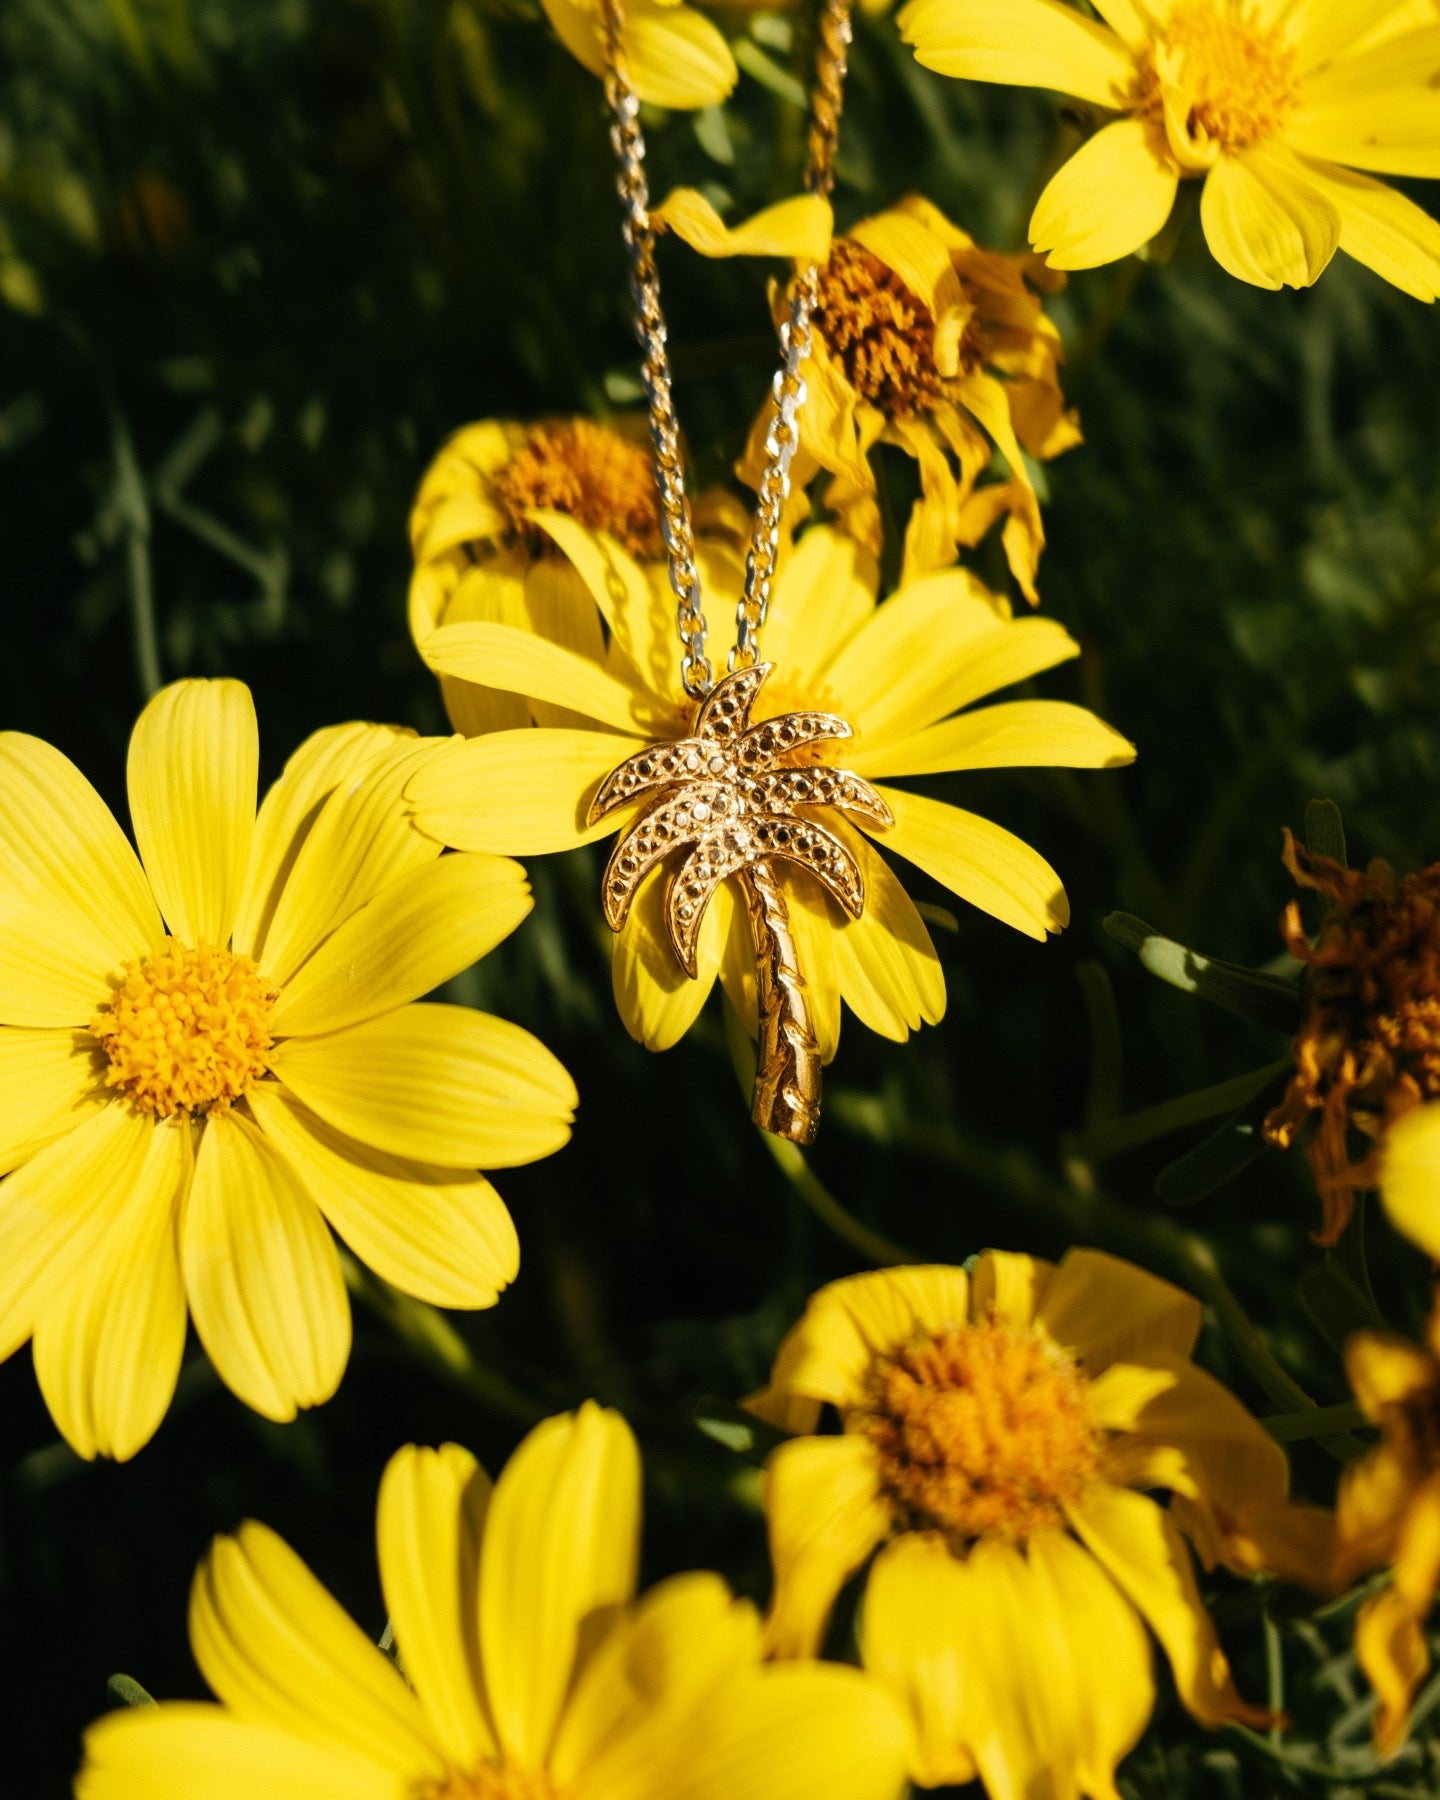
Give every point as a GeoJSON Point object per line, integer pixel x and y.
{"type": "Point", "coordinates": [998, 1430]}
{"type": "Point", "coordinates": [482, 552]}
{"type": "Point", "coordinates": [533, 1671]}
{"type": "Point", "coordinates": [1274, 104]}
{"type": "Point", "coordinates": [677, 58]}
{"type": "Point", "coordinates": [904, 674]}
{"type": "Point", "coordinates": [1388, 1515]}
{"type": "Point", "coordinates": [208, 1050]}
{"type": "Point", "coordinates": [923, 340]}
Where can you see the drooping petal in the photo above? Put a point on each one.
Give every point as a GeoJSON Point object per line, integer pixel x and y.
{"type": "Point", "coordinates": [1018, 734]}
{"type": "Point", "coordinates": [362, 840]}
{"type": "Point", "coordinates": [189, 1751]}
{"type": "Point", "coordinates": [1145, 1555]}
{"type": "Point", "coordinates": [437, 1084]}
{"type": "Point", "coordinates": [1381, 228]}
{"type": "Point", "coordinates": [289, 810]}
{"type": "Point", "coordinates": [61, 845]}
{"type": "Point", "coordinates": [677, 58]}
{"type": "Point", "coordinates": [1390, 1647]}
{"type": "Point", "coordinates": [439, 1234]}
{"type": "Point", "coordinates": [505, 657]}
{"type": "Point", "coordinates": [191, 775]}
{"type": "Point", "coordinates": [825, 1513]}
{"type": "Point", "coordinates": [559, 1556]}
{"type": "Point", "coordinates": [109, 1343]}
{"type": "Point", "coordinates": [1410, 1177]}
{"type": "Point", "coordinates": [827, 1355]}
{"type": "Point", "coordinates": [280, 1650]}
{"type": "Point", "coordinates": [1026, 43]}
{"type": "Point", "coordinates": [658, 1002]}
{"type": "Point", "coordinates": [415, 934]}
{"type": "Point", "coordinates": [428, 1526]}
{"type": "Point", "coordinates": [980, 861]}
{"type": "Point", "coordinates": [799, 227]}
{"type": "Point", "coordinates": [1265, 227]}
{"type": "Point", "coordinates": [1108, 200]}
{"type": "Point", "coordinates": [49, 1082]}
{"type": "Point", "coordinates": [885, 964]}
{"type": "Point", "coordinates": [518, 793]}
{"type": "Point", "coordinates": [1105, 1310]}
{"type": "Point", "coordinates": [56, 1208]}
{"type": "Point", "coordinates": [262, 1274]}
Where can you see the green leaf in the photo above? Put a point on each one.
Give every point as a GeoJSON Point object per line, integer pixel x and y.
{"type": "Point", "coordinates": [1231, 1148]}
{"type": "Point", "coordinates": [1128, 1131]}
{"type": "Point", "coordinates": [1336, 1303]}
{"type": "Point", "coordinates": [1325, 831]}
{"type": "Point", "coordinates": [125, 1690]}
{"type": "Point", "coordinates": [1250, 993]}
{"type": "Point", "coordinates": [737, 1429]}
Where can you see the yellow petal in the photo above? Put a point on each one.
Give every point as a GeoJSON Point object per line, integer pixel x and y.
{"type": "Point", "coordinates": [558, 608]}
{"type": "Point", "coordinates": [1026, 43]}
{"type": "Point", "coordinates": [518, 793]}
{"type": "Point", "coordinates": [1019, 734]}
{"type": "Point", "coordinates": [490, 592]}
{"type": "Point", "coordinates": [278, 1649]}
{"type": "Point", "coordinates": [1390, 1647]}
{"type": "Point", "coordinates": [1386, 1371]}
{"type": "Point", "coordinates": [1126, 18]}
{"type": "Point", "coordinates": [1382, 229]}
{"type": "Point", "coordinates": [658, 1001]}
{"type": "Point", "coordinates": [415, 934]}
{"type": "Point", "coordinates": [618, 1732]}
{"type": "Point", "coordinates": [1410, 1177]}
{"type": "Point", "coordinates": [1108, 200]}
{"type": "Point", "coordinates": [61, 845]}
{"type": "Point", "coordinates": [885, 963]}
{"type": "Point", "coordinates": [504, 657]}
{"type": "Point", "coordinates": [560, 1551]}
{"type": "Point", "coordinates": [49, 1082]}
{"type": "Point", "coordinates": [824, 593]}
{"type": "Point", "coordinates": [1391, 133]}
{"type": "Point", "coordinates": [1320, 29]}
{"type": "Point", "coordinates": [1374, 1492]}
{"type": "Point", "coordinates": [918, 257]}
{"type": "Point", "coordinates": [287, 813]}
{"type": "Point", "coordinates": [1395, 59]}
{"type": "Point", "coordinates": [435, 1233]}
{"type": "Point", "coordinates": [799, 227]}
{"type": "Point", "coordinates": [1106, 1310]}
{"type": "Point", "coordinates": [428, 1526]}
{"type": "Point", "coordinates": [1147, 1559]}
{"type": "Point", "coordinates": [825, 1515]}
{"type": "Point", "coordinates": [361, 841]}
{"type": "Point", "coordinates": [188, 1751]}
{"type": "Point", "coordinates": [677, 58]}
{"type": "Point", "coordinates": [828, 1354]}
{"type": "Point", "coordinates": [1417, 1548]}
{"type": "Point", "coordinates": [439, 1084]}
{"type": "Point", "coordinates": [1008, 1286]}
{"type": "Point", "coordinates": [816, 924]}
{"type": "Point", "coordinates": [108, 1345]}
{"type": "Point", "coordinates": [262, 1274]}
{"type": "Point", "coordinates": [56, 1208]}
{"type": "Point", "coordinates": [1265, 227]}
{"type": "Point", "coordinates": [191, 774]}
{"type": "Point", "coordinates": [980, 861]}
{"type": "Point", "coordinates": [56, 965]}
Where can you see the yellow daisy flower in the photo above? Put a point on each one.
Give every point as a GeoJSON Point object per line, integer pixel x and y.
{"type": "Point", "coordinates": [1368, 1049]}
{"type": "Point", "coordinates": [922, 340]}
{"type": "Point", "coordinates": [676, 56]}
{"type": "Point", "coordinates": [900, 673]}
{"type": "Point", "coordinates": [208, 1051]}
{"type": "Point", "coordinates": [482, 551]}
{"type": "Point", "coordinates": [1388, 1515]}
{"type": "Point", "coordinates": [997, 1432]}
{"type": "Point", "coordinates": [533, 1672]}
{"type": "Point", "coordinates": [1274, 104]}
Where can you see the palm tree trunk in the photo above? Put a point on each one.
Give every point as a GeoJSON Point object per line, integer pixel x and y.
{"type": "Point", "coordinates": [787, 1068]}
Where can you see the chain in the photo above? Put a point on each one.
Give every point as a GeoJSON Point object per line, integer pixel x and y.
{"type": "Point", "coordinates": [788, 390]}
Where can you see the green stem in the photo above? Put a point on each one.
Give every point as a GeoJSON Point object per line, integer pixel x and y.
{"type": "Point", "coordinates": [869, 1244]}
{"type": "Point", "coordinates": [135, 510]}
{"type": "Point", "coordinates": [1274, 1678]}
{"type": "Point", "coordinates": [1314, 1421]}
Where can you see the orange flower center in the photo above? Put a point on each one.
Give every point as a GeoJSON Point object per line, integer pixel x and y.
{"type": "Point", "coordinates": [984, 1430]}
{"type": "Point", "coordinates": [879, 332]}
{"type": "Point", "coordinates": [595, 476]}
{"type": "Point", "coordinates": [492, 1781]}
{"type": "Point", "coordinates": [1232, 82]}
{"type": "Point", "coordinates": [187, 1030]}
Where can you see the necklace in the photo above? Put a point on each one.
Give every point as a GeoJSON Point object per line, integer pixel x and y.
{"type": "Point", "coordinates": [732, 795]}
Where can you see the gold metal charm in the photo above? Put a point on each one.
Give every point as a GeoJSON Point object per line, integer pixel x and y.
{"type": "Point", "coordinates": [726, 797]}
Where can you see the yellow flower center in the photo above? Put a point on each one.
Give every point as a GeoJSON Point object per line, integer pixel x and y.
{"type": "Point", "coordinates": [1232, 82]}
{"type": "Point", "coordinates": [595, 476]}
{"type": "Point", "coordinates": [984, 1430]}
{"type": "Point", "coordinates": [187, 1030]}
{"type": "Point", "coordinates": [492, 1781]}
{"type": "Point", "coordinates": [880, 333]}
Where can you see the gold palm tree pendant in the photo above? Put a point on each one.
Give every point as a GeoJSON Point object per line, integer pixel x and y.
{"type": "Point", "coordinates": [726, 796]}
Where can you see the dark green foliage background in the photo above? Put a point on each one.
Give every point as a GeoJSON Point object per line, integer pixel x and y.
{"type": "Point", "coordinates": [260, 259]}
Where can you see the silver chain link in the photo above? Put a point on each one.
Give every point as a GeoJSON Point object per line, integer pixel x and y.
{"type": "Point", "coordinates": [788, 390]}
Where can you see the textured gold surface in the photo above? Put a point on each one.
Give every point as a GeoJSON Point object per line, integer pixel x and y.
{"type": "Point", "coordinates": [726, 797]}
